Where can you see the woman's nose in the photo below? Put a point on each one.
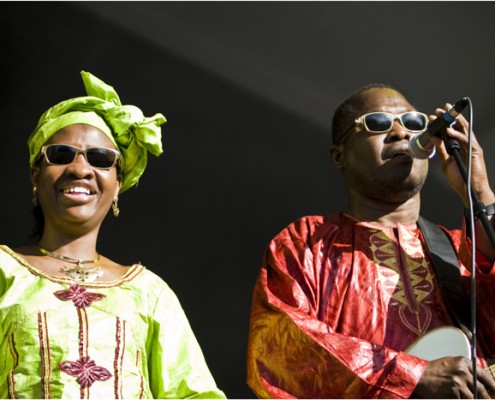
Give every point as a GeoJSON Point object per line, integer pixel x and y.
{"type": "Point", "coordinates": [80, 167]}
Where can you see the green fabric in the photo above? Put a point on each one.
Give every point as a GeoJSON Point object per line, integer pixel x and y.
{"type": "Point", "coordinates": [138, 332]}
{"type": "Point", "coordinates": [133, 134]}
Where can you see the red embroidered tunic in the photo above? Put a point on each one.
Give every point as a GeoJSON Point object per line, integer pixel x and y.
{"type": "Point", "coordinates": [338, 301]}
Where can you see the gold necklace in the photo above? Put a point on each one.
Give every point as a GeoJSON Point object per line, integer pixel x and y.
{"type": "Point", "coordinates": [78, 273]}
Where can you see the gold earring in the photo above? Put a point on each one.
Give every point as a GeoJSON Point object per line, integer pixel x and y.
{"type": "Point", "coordinates": [115, 207]}
{"type": "Point", "coordinates": [34, 199]}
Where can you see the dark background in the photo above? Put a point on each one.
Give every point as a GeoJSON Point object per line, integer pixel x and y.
{"type": "Point", "coordinates": [248, 89]}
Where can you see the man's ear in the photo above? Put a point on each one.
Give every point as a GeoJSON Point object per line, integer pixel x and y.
{"type": "Point", "coordinates": [337, 155]}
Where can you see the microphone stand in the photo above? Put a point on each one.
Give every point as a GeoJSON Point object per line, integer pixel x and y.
{"type": "Point", "coordinates": [453, 148]}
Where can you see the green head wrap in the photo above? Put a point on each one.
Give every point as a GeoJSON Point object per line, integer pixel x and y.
{"type": "Point", "coordinates": [130, 131]}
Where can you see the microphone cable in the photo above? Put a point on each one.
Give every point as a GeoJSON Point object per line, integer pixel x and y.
{"type": "Point", "coordinates": [473, 248]}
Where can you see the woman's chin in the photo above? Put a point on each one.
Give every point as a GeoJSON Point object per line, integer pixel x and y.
{"type": "Point", "coordinates": [78, 216]}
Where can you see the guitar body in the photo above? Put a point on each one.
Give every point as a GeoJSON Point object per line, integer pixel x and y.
{"type": "Point", "coordinates": [441, 342]}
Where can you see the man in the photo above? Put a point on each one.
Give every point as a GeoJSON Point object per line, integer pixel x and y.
{"type": "Point", "coordinates": [340, 298]}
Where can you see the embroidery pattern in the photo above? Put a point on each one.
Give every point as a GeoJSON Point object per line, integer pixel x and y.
{"type": "Point", "coordinates": [119, 355]}
{"type": "Point", "coordinates": [12, 385]}
{"type": "Point", "coordinates": [45, 356]}
{"type": "Point", "coordinates": [85, 369]}
{"type": "Point", "coordinates": [139, 360]}
{"type": "Point", "coordinates": [79, 295]}
{"type": "Point", "coordinates": [11, 381]}
{"type": "Point", "coordinates": [406, 277]}
{"type": "Point", "coordinates": [133, 271]}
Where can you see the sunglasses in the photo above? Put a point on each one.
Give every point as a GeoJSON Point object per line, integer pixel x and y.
{"type": "Point", "coordinates": [64, 154]}
{"type": "Point", "coordinates": [382, 122]}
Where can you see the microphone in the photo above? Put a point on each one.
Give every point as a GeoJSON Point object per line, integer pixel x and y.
{"type": "Point", "coordinates": [420, 145]}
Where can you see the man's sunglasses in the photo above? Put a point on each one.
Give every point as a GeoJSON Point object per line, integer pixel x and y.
{"type": "Point", "coordinates": [382, 122]}
{"type": "Point", "coordinates": [64, 154]}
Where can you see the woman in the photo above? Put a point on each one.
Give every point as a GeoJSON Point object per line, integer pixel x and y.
{"type": "Point", "coordinates": [74, 323]}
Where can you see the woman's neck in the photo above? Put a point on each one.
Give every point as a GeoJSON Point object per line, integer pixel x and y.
{"type": "Point", "coordinates": [75, 246]}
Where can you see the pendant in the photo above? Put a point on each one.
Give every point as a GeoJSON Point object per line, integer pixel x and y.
{"type": "Point", "coordinates": [81, 274]}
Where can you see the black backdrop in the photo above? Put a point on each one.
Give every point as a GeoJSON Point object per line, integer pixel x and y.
{"type": "Point", "coordinates": [237, 167]}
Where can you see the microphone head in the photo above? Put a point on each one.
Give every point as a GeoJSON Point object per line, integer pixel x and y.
{"type": "Point", "coordinates": [419, 150]}
{"type": "Point", "coordinates": [461, 105]}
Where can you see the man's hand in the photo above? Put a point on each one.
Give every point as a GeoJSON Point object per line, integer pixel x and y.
{"type": "Point", "coordinates": [452, 378]}
{"type": "Point", "coordinates": [479, 176]}
{"type": "Point", "coordinates": [480, 184]}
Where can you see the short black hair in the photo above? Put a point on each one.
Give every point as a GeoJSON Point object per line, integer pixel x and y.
{"type": "Point", "coordinates": [349, 110]}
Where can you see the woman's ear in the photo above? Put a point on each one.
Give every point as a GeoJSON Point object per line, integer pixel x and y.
{"type": "Point", "coordinates": [35, 174]}
{"type": "Point", "coordinates": [336, 155]}
{"type": "Point", "coordinates": [117, 189]}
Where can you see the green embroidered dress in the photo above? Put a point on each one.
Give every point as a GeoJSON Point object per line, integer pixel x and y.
{"type": "Point", "coordinates": [127, 338]}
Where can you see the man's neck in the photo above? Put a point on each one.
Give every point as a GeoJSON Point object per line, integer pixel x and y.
{"type": "Point", "coordinates": [386, 214]}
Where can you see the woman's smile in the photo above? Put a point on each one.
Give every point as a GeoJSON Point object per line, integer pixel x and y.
{"type": "Point", "coordinates": [77, 193]}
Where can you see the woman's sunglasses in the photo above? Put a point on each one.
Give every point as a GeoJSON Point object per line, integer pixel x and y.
{"type": "Point", "coordinates": [64, 154]}
{"type": "Point", "coordinates": [382, 122]}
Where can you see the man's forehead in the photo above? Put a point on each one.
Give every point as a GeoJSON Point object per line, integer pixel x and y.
{"type": "Point", "coordinates": [384, 99]}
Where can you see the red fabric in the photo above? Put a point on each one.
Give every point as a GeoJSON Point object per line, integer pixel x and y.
{"type": "Point", "coordinates": [337, 303]}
